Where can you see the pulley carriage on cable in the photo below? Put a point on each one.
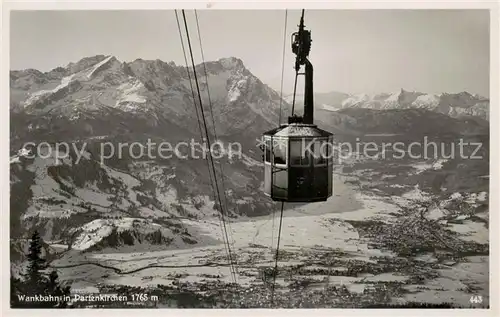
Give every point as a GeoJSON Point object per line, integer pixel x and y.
{"type": "Point", "coordinates": [298, 163]}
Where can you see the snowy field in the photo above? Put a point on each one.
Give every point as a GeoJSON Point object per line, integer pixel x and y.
{"type": "Point", "coordinates": [306, 230]}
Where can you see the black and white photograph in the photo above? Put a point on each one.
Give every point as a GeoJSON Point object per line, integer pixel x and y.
{"type": "Point", "coordinates": [250, 158]}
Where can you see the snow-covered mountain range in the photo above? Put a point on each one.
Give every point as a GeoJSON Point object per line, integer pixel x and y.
{"type": "Point", "coordinates": [455, 105]}
{"type": "Point", "coordinates": [100, 99]}
{"type": "Point", "coordinates": [101, 85]}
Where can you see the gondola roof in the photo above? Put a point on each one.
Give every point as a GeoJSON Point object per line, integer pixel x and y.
{"type": "Point", "coordinates": [298, 130]}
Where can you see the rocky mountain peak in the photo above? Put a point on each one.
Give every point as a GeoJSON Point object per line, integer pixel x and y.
{"type": "Point", "coordinates": [231, 63]}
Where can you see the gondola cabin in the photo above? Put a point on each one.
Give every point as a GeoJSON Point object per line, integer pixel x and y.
{"type": "Point", "coordinates": [298, 163]}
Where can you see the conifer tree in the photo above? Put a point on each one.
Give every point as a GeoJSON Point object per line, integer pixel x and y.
{"type": "Point", "coordinates": [36, 282]}
{"type": "Point", "coordinates": [34, 278]}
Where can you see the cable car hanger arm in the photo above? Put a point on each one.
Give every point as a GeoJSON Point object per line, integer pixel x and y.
{"type": "Point", "coordinates": [301, 46]}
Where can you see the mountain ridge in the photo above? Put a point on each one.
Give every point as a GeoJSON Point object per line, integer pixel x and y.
{"type": "Point", "coordinates": [456, 105]}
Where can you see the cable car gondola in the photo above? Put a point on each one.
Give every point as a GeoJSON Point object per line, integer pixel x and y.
{"type": "Point", "coordinates": [298, 163]}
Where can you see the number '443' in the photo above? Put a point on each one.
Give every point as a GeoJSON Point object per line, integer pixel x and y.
{"type": "Point", "coordinates": [477, 299]}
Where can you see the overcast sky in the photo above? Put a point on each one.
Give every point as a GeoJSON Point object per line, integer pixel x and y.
{"type": "Point", "coordinates": [353, 51]}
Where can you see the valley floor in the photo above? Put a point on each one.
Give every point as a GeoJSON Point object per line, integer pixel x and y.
{"type": "Point", "coordinates": [355, 250]}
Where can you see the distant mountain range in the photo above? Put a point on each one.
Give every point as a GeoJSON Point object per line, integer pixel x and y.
{"type": "Point", "coordinates": [452, 104]}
